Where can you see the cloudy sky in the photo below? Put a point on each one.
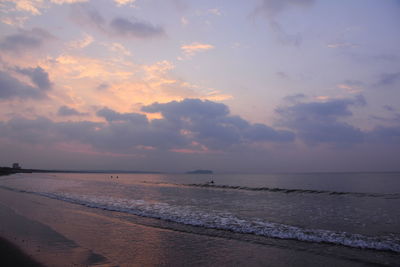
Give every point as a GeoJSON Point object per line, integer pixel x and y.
{"type": "Point", "coordinates": [176, 85]}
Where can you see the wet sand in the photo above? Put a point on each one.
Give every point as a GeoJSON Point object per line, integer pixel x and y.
{"type": "Point", "coordinates": [57, 233]}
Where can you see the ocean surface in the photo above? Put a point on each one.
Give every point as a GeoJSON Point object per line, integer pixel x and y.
{"type": "Point", "coordinates": [351, 215]}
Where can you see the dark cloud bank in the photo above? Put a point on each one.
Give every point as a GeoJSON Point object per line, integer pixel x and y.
{"type": "Point", "coordinates": [193, 121]}
{"type": "Point", "coordinates": [184, 125]}
{"type": "Point", "coordinates": [319, 122]}
{"type": "Point", "coordinates": [209, 133]}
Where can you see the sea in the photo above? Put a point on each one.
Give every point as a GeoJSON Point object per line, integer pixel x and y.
{"type": "Point", "coordinates": [354, 217]}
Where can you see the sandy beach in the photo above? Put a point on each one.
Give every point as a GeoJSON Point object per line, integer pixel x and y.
{"type": "Point", "coordinates": [57, 233]}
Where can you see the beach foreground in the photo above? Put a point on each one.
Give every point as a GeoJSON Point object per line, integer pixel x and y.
{"type": "Point", "coordinates": [63, 234]}
{"type": "Point", "coordinates": [101, 227]}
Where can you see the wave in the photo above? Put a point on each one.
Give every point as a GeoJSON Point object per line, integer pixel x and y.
{"type": "Point", "coordinates": [190, 215]}
{"type": "Point", "coordinates": [282, 190]}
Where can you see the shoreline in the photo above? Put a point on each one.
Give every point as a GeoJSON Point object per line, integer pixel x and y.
{"type": "Point", "coordinates": [110, 238]}
{"type": "Point", "coordinates": [61, 233]}
{"type": "Point", "coordinates": [12, 255]}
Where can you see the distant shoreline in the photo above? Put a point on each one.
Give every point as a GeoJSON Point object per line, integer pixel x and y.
{"type": "Point", "coordinates": [8, 171]}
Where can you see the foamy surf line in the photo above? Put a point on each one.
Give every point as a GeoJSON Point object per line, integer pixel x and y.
{"type": "Point", "coordinates": [280, 190]}
{"type": "Point", "coordinates": [188, 215]}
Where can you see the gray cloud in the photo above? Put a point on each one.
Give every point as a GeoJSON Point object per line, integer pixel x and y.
{"type": "Point", "coordinates": [103, 86]}
{"type": "Point", "coordinates": [319, 122]}
{"type": "Point", "coordinates": [138, 29]}
{"type": "Point", "coordinates": [190, 124]}
{"type": "Point", "coordinates": [111, 115]}
{"type": "Point", "coordinates": [270, 9]}
{"type": "Point", "coordinates": [389, 108]}
{"type": "Point", "coordinates": [25, 40]}
{"type": "Point", "coordinates": [294, 98]}
{"type": "Point", "coordinates": [147, 144]}
{"type": "Point", "coordinates": [353, 82]}
{"type": "Point", "coordinates": [10, 87]}
{"type": "Point", "coordinates": [38, 76]}
{"type": "Point", "coordinates": [388, 79]}
{"type": "Point", "coordinates": [283, 75]}
{"type": "Point", "coordinates": [44, 131]}
{"type": "Point", "coordinates": [209, 123]}
{"type": "Point", "coordinates": [382, 134]}
{"type": "Point", "coordinates": [86, 15]}
{"type": "Point", "coordinates": [67, 111]}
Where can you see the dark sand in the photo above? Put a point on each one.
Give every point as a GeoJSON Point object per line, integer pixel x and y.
{"type": "Point", "coordinates": [11, 255]}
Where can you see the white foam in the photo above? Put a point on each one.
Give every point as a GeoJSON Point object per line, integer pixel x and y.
{"type": "Point", "coordinates": [190, 215]}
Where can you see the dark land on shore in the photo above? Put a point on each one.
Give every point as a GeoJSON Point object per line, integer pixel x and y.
{"type": "Point", "coordinates": [13, 256]}
{"type": "Point", "coordinates": [8, 170]}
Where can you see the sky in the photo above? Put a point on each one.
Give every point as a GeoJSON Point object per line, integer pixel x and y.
{"type": "Point", "coordinates": [177, 85]}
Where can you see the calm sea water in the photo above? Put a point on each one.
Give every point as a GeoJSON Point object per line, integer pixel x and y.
{"type": "Point", "coordinates": [353, 210]}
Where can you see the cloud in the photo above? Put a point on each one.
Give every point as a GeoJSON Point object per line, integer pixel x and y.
{"type": "Point", "coordinates": [382, 134]}
{"type": "Point", "coordinates": [30, 6]}
{"type": "Point", "coordinates": [124, 2]}
{"type": "Point", "coordinates": [68, 111]}
{"type": "Point", "coordinates": [119, 83]}
{"type": "Point", "coordinates": [351, 86]}
{"type": "Point", "coordinates": [342, 45]}
{"type": "Point", "coordinates": [25, 40]}
{"type": "Point", "coordinates": [10, 87]}
{"type": "Point", "coordinates": [14, 20]}
{"type": "Point", "coordinates": [188, 126]}
{"type": "Point", "coordinates": [190, 50]}
{"type": "Point", "coordinates": [214, 11]}
{"type": "Point", "coordinates": [282, 75]}
{"type": "Point", "coordinates": [138, 29]}
{"type": "Point", "coordinates": [387, 79]}
{"type": "Point", "coordinates": [210, 124]}
{"type": "Point", "coordinates": [61, 2]}
{"type": "Point", "coordinates": [82, 43]}
{"type": "Point", "coordinates": [320, 122]}
{"type": "Point", "coordinates": [294, 98]}
{"type": "Point", "coordinates": [119, 49]}
{"type": "Point", "coordinates": [111, 115]}
{"type": "Point", "coordinates": [103, 86]}
{"type": "Point", "coordinates": [184, 21]}
{"type": "Point", "coordinates": [33, 7]}
{"type": "Point", "coordinates": [88, 15]}
{"type": "Point", "coordinates": [43, 131]}
{"type": "Point", "coordinates": [389, 108]}
{"type": "Point", "coordinates": [270, 9]}
{"type": "Point", "coordinates": [38, 76]}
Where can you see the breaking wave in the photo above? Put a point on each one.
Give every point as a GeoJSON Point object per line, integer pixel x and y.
{"type": "Point", "coordinates": [282, 190]}
{"type": "Point", "coordinates": [190, 215]}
